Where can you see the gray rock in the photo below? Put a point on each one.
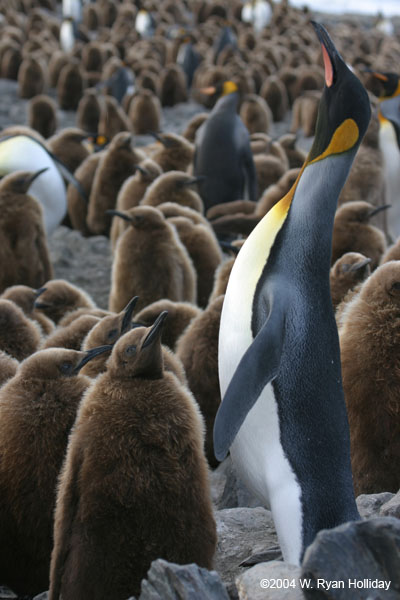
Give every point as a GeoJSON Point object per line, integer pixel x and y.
{"type": "Point", "coordinates": [242, 532]}
{"type": "Point", "coordinates": [392, 507]}
{"type": "Point", "coordinates": [227, 489]}
{"type": "Point", "coordinates": [352, 557]}
{"type": "Point", "coordinates": [168, 581]}
{"type": "Point", "coordinates": [369, 505]}
{"type": "Point", "coordinates": [85, 262]}
{"type": "Point", "coordinates": [255, 584]}
{"type": "Point", "coordinates": [6, 593]}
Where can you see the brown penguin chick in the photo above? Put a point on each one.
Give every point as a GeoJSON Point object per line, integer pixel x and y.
{"type": "Point", "coordinates": [305, 112]}
{"type": "Point", "coordinates": [230, 208]}
{"type": "Point", "coordinates": [25, 297]}
{"type": "Point", "coordinates": [59, 297]}
{"type": "Point", "coordinates": [79, 312]}
{"type": "Point", "coordinates": [68, 147]}
{"type": "Point", "coordinates": [174, 153]}
{"type": "Point", "coordinates": [204, 250]}
{"type": "Point", "coordinates": [192, 126]}
{"type": "Point", "coordinates": [71, 336]}
{"type": "Point", "coordinates": [198, 350]}
{"type": "Point", "coordinates": [151, 261]}
{"type": "Point", "coordinates": [10, 62]}
{"type": "Point", "coordinates": [19, 336]}
{"type": "Point", "coordinates": [172, 209]}
{"type": "Point", "coordinates": [275, 95]}
{"type": "Point", "coordinates": [57, 61]}
{"type": "Point", "coordinates": [275, 192]}
{"type": "Point", "coordinates": [88, 111]}
{"type": "Point", "coordinates": [23, 130]}
{"type": "Point", "coordinates": [269, 170]}
{"type": "Point", "coordinates": [369, 344]}
{"type": "Point", "coordinates": [77, 207]}
{"type": "Point", "coordinates": [392, 253]}
{"type": "Point", "coordinates": [352, 232]}
{"type": "Point", "coordinates": [91, 17]}
{"type": "Point", "coordinates": [172, 86]}
{"type": "Point", "coordinates": [8, 367]}
{"type": "Point", "coordinates": [180, 314]}
{"type": "Point", "coordinates": [24, 254]}
{"type": "Point", "coordinates": [70, 85]}
{"type": "Point", "coordinates": [156, 493]}
{"type": "Point", "coordinates": [223, 272]}
{"type": "Point", "coordinates": [116, 165]}
{"type": "Point", "coordinates": [255, 114]}
{"type": "Point", "coordinates": [38, 405]}
{"type": "Point", "coordinates": [348, 272]}
{"type": "Point", "coordinates": [92, 56]}
{"type": "Point", "coordinates": [145, 112]}
{"type": "Point", "coordinates": [31, 78]}
{"type": "Point", "coordinates": [173, 186]}
{"type": "Point", "coordinates": [231, 226]}
{"type": "Point", "coordinates": [132, 192]}
{"type": "Point", "coordinates": [147, 80]}
{"type": "Point", "coordinates": [295, 156]}
{"type": "Point", "coordinates": [113, 119]}
{"type": "Point", "coordinates": [42, 115]}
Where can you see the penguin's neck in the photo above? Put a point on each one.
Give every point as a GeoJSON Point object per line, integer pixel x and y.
{"type": "Point", "coordinates": [229, 102]}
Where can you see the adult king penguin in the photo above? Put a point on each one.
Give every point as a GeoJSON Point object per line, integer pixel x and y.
{"type": "Point", "coordinates": [283, 413]}
{"type": "Point", "coordinates": [223, 153]}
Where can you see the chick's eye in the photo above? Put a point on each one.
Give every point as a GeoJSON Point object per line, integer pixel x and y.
{"type": "Point", "coordinates": [112, 335]}
{"type": "Point", "coordinates": [65, 367]}
{"type": "Point", "coordinates": [130, 350]}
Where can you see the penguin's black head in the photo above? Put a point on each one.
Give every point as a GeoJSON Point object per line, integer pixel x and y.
{"type": "Point", "coordinates": [390, 83]}
{"type": "Point", "coordinates": [344, 110]}
{"type": "Point", "coordinates": [220, 89]}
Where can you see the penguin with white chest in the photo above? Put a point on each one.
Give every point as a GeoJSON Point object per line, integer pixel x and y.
{"type": "Point", "coordinates": [283, 414]}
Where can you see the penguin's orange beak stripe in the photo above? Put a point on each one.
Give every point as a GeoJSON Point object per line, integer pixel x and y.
{"type": "Point", "coordinates": [380, 76]}
{"type": "Point", "coordinates": [344, 138]}
{"type": "Point", "coordinates": [328, 67]}
{"type": "Point", "coordinates": [208, 90]}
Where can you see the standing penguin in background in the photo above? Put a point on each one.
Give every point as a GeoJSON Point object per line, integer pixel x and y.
{"type": "Point", "coordinates": [223, 154]}
{"type": "Point", "coordinates": [38, 406]}
{"type": "Point", "coordinates": [134, 486]}
{"type": "Point", "coordinates": [24, 254]}
{"type": "Point", "coordinates": [283, 415]}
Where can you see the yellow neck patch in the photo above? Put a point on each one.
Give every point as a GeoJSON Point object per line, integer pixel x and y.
{"type": "Point", "coordinates": [344, 138]}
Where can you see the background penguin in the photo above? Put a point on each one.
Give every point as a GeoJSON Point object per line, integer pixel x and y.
{"type": "Point", "coordinates": [8, 367]}
{"type": "Point", "coordinates": [70, 85]}
{"type": "Point", "coordinates": [20, 152]}
{"type": "Point", "coordinates": [172, 86]}
{"type": "Point", "coordinates": [275, 95]}
{"type": "Point", "coordinates": [204, 250]}
{"type": "Point", "coordinates": [59, 297]}
{"type": "Point", "coordinates": [275, 192]}
{"type": "Point", "coordinates": [305, 112]}
{"type": "Point", "coordinates": [25, 297]}
{"type": "Point", "coordinates": [132, 192]}
{"type": "Point", "coordinates": [255, 114]}
{"type": "Point", "coordinates": [31, 78]}
{"type": "Point", "coordinates": [163, 469]}
{"type": "Point", "coordinates": [172, 209]}
{"type": "Point", "coordinates": [348, 272]}
{"type": "Point", "coordinates": [88, 111]}
{"type": "Point", "coordinates": [223, 154]}
{"type": "Point", "coordinates": [352, 232]}
{"type": "Point", "coordinates": [197, 348]}
{"type": "Point", "coordinates": [369, 348]}
{"type": "Point", "coordinates": [57, 61]}
{"type": "Point", "coordinates": [19, 336]}
{"type": "Point", "coordinates": [392, 253]}
{"type": "Point", "coordinates": [113, 118]}
{"type": "Point", "coordinates": [230, 208]}
{"type": "Point", "coordinates": [268, 383]}
{"type": "Point", "coordinates": [42, 115]}
{"type": "Point", "coordinates": [150, 261]}
{"type": "Point", "coordinates": [180, 314]}
{"type": "Point", "coordinates": [295, 156]}
{"type": "Point", "coordinates": [72, 335]}
{"type": "Point", "coordinates": [68, 146]}
{"type": "Point", "coordinates": [145, 112]}
{"type": "Point", "coordinates": [114, 167]}
{"type": "Point", "coordinates": [175, 152]}
{"type": "Point", "coordinates": [24, 253]}
{"type": "Point", "coordinates": [269, 170]}
{"type": "Point", "coordinates": [39, 404]}
{"type": "Point", "coordinates": [193, 125]}
{"type": "Point", "coordinates": [120, 83]}
{"type": "Point", "coordinates": [174, 186]}
{"type": "Point", "coordinates": [77, 206]}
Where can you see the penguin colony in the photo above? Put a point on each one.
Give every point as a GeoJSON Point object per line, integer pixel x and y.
{"type": "Point", "coordinates": [177, 210]}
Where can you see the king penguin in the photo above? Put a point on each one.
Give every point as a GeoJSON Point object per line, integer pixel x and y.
{"type": "Point", "coordinates": [223, 153]}
{"type": "Point", "coordinates": [283, 415]}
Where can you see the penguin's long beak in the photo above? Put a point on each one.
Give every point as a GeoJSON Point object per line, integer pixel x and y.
{"type": "Point", "coordinates": [40, 291]}
{"type": "Point", "coordinates": [89, 355]}
{"type": "Point", "coordinates": [117, 213]}
{"type": "Point", "coordinates": [192, 181]}
{"type": "Point", "coordinates": [160, 138]}
{"type": "Point", "coordinates": [141, 170]}
{"type": "Point", "coordinates": [155, 332]}
{"type": "Point", "coordinates": [360, 265]}
{"type": "Point", "coordinates": [329, 53]}
{"type": "Point", "coordinates": [128, 312]}
{"type": "Point", "coordinates": [208, 91]}
{"type": "Point", "coordinates": [377, 210]}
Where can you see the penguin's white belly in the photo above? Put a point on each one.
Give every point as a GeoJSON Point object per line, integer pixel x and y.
{"type": "Point", "coordinates": [67, 38]}
{"type": "Point", "coordinates": [261, 464]}
{"type": "Point", "coordinates": [23, 154]}
{"type": "Point", "coordinates": [391, 156]}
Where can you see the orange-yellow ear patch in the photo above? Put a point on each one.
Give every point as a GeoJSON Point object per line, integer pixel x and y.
{"type": "Point", "coordinates": [344, 138]}
{"type": "Point", "coordinates": [328, 67]}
